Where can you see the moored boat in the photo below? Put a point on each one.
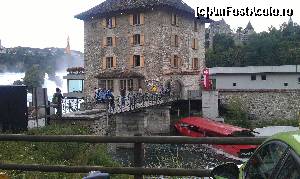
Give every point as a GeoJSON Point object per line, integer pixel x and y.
{"type": "Point", "coordinates": [203, 127]}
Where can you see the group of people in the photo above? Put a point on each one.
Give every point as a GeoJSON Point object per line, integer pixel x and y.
{"type": "Point", "coordinates": [103, 96]}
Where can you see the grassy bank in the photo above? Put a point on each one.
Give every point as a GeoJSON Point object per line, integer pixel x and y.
{"type": "Point", "coordinates": [70, 154]}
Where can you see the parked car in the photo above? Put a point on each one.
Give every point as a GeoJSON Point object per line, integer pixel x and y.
{"type": "Point", "coordinates": [277, 158]}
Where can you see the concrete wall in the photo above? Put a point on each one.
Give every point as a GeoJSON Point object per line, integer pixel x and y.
{"type": "Point", "coordinates": [264, 105]}
{"type": "Point", "coordinates": [157, 49]}
{"type": "Point", "coordinates": [243, 81]}
{"type": "Point", "coordinates": [210, 104]}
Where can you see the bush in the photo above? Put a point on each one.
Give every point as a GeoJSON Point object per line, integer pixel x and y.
{"type": "Point", "coordinates": [236, 115]}
{"type": "Point", "coordinates": [55, 153]}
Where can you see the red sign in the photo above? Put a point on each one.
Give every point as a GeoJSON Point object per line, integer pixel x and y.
{"type": "Point", "coordinates": [206, 82]}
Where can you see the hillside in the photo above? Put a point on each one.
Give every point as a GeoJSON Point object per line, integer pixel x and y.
{"type": "Point", "coordinates": [50, 60]}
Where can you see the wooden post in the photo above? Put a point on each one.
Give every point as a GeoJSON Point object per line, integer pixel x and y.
{"type": "Point", "coordinates": [138, 156]}
{"type": "Point", "coordinates": [45, 104]}
{"type": "Point", "coordinates": [36, 106]}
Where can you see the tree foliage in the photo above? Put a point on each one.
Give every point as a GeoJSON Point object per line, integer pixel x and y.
{"type": "Point", "coordinates": [34, 77]}
{"type": "Point", "coordinates": [275, 47]}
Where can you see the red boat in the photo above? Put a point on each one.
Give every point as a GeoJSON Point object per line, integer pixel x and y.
{"type": "Point", "coordinates": [203, 127]}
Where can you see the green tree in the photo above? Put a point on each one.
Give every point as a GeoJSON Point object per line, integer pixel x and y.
{"type": "Point", "coordinates": [34, 77]}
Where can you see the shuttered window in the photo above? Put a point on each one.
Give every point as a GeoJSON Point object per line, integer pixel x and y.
{"type": "Point", "coordinates": [195, 64]}
{"type": "Point", "coordinates": [109, 22]}
{"type": "Point", "coordinates": [109, 41]}
{"type": "Point", "coordinates": [109, 62]}
{"type": "Point", "coordinates": [195, 26]}
{"type": "Point", "coordinates": [195, 44]}
{"type": "Point", "coordinates": [136, 39]}
{"type": "Point", "coordinates": [136, 61]}
{"type": "Point", "coordinates": [175, 19]}
{"type": "Point", "coordinates": [137, 19]}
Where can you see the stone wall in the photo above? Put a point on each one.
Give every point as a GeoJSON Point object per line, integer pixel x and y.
{"type": "Point", "coordinates": [265, 105]}
{"type": "Point", "coordinates": [157, 49]}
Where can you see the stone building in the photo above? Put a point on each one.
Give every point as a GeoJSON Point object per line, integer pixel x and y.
{"type": "Point", "coordinates": [216, 27]}
{"type": "Point", "coordinates": [266, 92]}
{"type": "Point", "coordinates": [242, 35]}
{"type": "Point", "coordinates": [132, 44]}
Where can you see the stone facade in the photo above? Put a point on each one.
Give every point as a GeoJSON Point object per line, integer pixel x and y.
{"type": "Point", "coordinates": [157, 49]}
{"type": "Point", "coordinates": [265, 105]}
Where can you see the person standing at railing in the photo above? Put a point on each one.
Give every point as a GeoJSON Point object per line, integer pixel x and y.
{"type": "Point", "coordinates": [123, 96]}
{"type": "Point", "coordinates": [57, 100]}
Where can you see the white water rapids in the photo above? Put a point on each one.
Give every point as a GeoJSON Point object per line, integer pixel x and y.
{"type": "Point", "coordinates": [9, 78]}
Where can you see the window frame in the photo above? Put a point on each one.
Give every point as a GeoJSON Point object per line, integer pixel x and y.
{"type": "Point", "coordinates": [175, 61]}
{"type": "Point", "coordinates": [195, 65]}
{"type": "Point", "coordinates": [109, 41]}
{"type": "Point", "coordinates": [263, 77]}
{"type": "Point", "coordinates": [110, 84]}
{"type": "Point", "coordinates": [253, 77]}
{"type": "Point", "coordinates": [109, 22]}
{"type": "Point", "coordinates": [176, 40]}
{"type": "Point", "coordinates": [137, 39]}
{"type": "Point", "coordinates": [257, 151]}
{"type": "Point", "coordinates": [136, 60]}
{"type": "Point", "coordinates": [109, 62]}
{"type": "Point", "coordinates": [290, 153]}
{"type": "Point", "coordinates": [130, 84]}
{"type": "Point", "coordinates": [136, 18]}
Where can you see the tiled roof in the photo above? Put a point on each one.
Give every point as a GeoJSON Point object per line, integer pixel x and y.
{"type": "Point", "coordinates": [117, 6]}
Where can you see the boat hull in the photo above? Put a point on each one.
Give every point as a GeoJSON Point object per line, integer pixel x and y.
{"type": "Point", "coordinates": [241, 151]}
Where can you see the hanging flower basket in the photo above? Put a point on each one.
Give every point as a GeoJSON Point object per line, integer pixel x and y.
{"type": "Point", "coordinates": [76, 70]}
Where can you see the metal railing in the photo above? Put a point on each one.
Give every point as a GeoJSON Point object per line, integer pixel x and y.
{"type": "Point", "coordinates": [138, 101]}
{"type": "Point", "coordinates": [138, 171]}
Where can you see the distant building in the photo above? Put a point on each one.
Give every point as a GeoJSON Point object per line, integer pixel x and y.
{"type": "Point", "coordinates": [286, 77]}
{"type": "Point", "coordinates": [242, 35]}
{"type": "Point", "coordinates": [2, 49]}
{"type": "Point", "coordinates": [221, 27]}
{"type": "Point", "coordinates": [216, 27]}
{"type": "Point", "coordinates": [138, 44]}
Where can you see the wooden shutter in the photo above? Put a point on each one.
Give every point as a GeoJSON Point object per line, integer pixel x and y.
{"type": "Point", "coordinates": [142, 39]}
{"type": "Point", "coordinates": [131, 19]}
{"type": "Point", "coordinates": [142, 61]}
{"type": "Point", "coordinates": [142, 18]}
{"type": "Point", "coordinates": [131, 40]}
{"type": "Point", "coordinates": [172, 19]}
{"type": "Point", "coordinates": [103, 24]}
{"type": "Point", "coordinates": [114, 62]}
{"type": "Point", "coordinates": [104, 42]}
{"type": "Point", "coordinates": [172, 40]}
{"type": "Point", "coordinates": [114, 41]}
{"type": "Point", "coordinates": [180, 62]}
{"type": "Point", "coordinates": [104, 63]}
{"type": "Point", "coordinates": [113, 22]}
{"type": "Point", "coordinates": [177, 20]}
{"type": "Point", "coordinates": [193, 44]}
{"type": "Point", "coordinates": [193, 63]}
{"type": "Point", "coordinates": [172, 61]}
{"type": "Point", "coordinates": [196, 44]}
{"type": "Point", "coordinates": [130, 61]}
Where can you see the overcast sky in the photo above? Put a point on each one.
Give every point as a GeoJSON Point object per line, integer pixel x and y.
{"type": "Point", "coordinates": [47, 23]}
